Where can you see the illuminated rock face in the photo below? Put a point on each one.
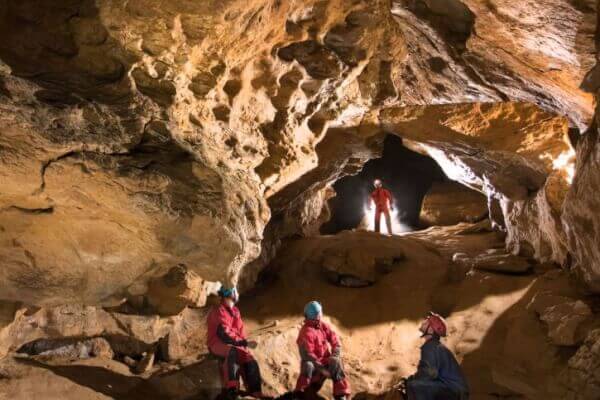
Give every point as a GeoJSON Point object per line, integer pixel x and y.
{"type": "Point", "coordinates": [581, 221]}
{"type": "Point", "coordinates": [140, 135]}
{"type": "Point", "coordinates": [507, 151]}
{"type": "Point", "coordinates": [449, 203]}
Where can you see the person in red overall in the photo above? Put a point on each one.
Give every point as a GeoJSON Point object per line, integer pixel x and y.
{"type": "Point", "coordinates": [320, 353]}
{"type": "Point", "coordinates": [382, 199]}
{"type": "Point", "coordinates": [226, 339]}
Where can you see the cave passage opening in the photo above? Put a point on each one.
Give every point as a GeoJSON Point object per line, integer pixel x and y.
{"type": "Point", "coordinates": [406, 174]}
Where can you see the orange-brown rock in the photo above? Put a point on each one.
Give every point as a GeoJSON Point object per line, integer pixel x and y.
{"type": "Point", "coordinates": [448, 203]}
{"type": "Point", "coordinates": [515, 153]}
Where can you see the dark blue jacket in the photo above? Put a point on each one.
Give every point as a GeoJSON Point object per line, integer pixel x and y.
{"type": "Point", "coordinates": [438, 365]}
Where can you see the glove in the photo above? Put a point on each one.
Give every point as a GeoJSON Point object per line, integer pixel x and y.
{"type": "Point", "coordinates": [242, 343]}
{"type": "Point", "coordinates": [337, 352]}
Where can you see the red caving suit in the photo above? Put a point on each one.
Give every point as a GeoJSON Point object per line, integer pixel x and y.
{"type": "Point", "coordinates": [226, 338]}
{"type": "Point", "coordinates": [320, 350]}
{"type": "Point", "coordinates": [382, 197]}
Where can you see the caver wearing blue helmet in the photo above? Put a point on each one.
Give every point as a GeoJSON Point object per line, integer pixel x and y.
{"type": "Point", "coordinates": [229, 293]}
{"type": "Point", "coordinates": [313, 310]}
{"type": "Point", "coordinates": [227, 339]}
{"type": "Point", "coordinates": [320, 354]}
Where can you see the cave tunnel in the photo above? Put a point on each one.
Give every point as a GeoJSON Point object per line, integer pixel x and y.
{"type": "Point", "coordinates": [406, 174]}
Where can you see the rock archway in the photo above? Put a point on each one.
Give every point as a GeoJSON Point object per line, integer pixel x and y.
{"type": "Point", "coordinates": [151, 150]}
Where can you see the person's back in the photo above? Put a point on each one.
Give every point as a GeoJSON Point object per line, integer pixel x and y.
{"type": "Point", "coordinates": [224, 323]}
{"type": "Point", "coordinates": [438, 375]}
{"type": "Point", "coordinates": [448, 369]}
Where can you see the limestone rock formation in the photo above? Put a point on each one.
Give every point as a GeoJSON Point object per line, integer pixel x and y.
{"type": "Point", "coordinates": [140, 135]}
{"type": "Point", "coordinates": [356, 261]}
{"type": "Point", "coordinates": [581, 371]}
{"type": "Point", "coordinates": [69, 349]}
{"type": "Point", "coordinates": [564, 320]}
{"type": "Point", "coordinates": [179, 336]}
{"type": "Point", "coordinates": [181, 118]}
{"type": "Point", "coordinates": [449, 203]}
{"type": "Point", "coordinates": [581, 221]}
{"type": "Point", "coordinates": [494, 260]}
{"type": "Point", "coordinates": [179, 288]}
{"type": "Point", "coordinates": [490, 148]}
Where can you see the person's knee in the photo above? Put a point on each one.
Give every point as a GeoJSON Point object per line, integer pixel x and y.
{"type": "Point", "coordinates": [232, 356]}
{"type": "Point", "coordinates": [336, 369]}
{"type": "Point", "coordinates": [307, 368]}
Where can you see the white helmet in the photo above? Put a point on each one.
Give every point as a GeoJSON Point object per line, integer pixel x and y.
{"type": "Point", "coordinates": [377, 183]}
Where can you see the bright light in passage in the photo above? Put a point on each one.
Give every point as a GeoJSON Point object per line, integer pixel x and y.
{"type": "Point", "coordinates": [397, 226]}
{"type": "Point", "coordinates": [565, 162]}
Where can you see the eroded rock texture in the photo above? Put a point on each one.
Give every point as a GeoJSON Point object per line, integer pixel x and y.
{"type": "Point", "coordinates": [141, 135]}
{"type": "Point", "coordinates": [519, 156]}
{"type": "Point", "coordinates": [581, 221]}
{"type": "Point", "coordinates": [449, 203]}
{"type": "Point", "coordinates": [150, 149]}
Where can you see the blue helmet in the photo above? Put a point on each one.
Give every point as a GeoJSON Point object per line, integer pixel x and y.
{"type": "Point", "coordinates": [228, 292]}
{"type": "Point", "coordinates": [313, 310]}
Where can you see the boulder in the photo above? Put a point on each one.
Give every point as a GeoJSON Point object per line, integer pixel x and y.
{"type": "Point", "coordinates": [546, 299]}
{"type": "Point", "coordinates": [515, 380]}
{"type": "Point", "coordinates": [68, 349]}
{"type": "Point", "coordinates": [145, 364]}
{"type": "Point", "coordinates": [449, 203]}
{"type": "Point", "coordinates": [495, 260]}
{"type": "Point", "coordinates": [356, 267]}
{"type": "Point", "coordinates": [179, 337]}
{"type": "Point", "coordinates": [581, 377]}
{"type": "Point", "coordinates": [177, 289]}
{"type": "Point", "coordinates": [564, 322]}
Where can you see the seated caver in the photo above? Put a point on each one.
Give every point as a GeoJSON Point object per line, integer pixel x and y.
{"type": "Point", "coordinates": [320, 353]}
{"type": "Point", "coordinates": [438, 375]}
{"type": "Point", "coordinates": [227, 340]}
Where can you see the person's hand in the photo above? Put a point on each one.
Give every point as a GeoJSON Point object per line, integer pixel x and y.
{"type": "Point", "coordinates": [401, 387]}
{"type": "Point", "coordinates": [252, 344]}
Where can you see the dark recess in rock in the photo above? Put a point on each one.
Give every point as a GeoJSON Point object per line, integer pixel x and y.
{"type": "Point", "coordinates": [320, 62]}
{"type": "Point", "coordinates": [406, 174]}
{"type": "Point", "coordinates": [452, 18]}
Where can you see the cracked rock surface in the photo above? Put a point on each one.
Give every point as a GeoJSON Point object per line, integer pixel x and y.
{"type": "Point", "coordinates": [176, 127]}
{"type": "Point", "coordinates": [151, 150]}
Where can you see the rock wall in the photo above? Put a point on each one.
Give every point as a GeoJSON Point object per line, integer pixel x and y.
{"type": "Point", "coordinates": [141, 135]}
{"type": "Point", "coordinates": [581, 221]}
{"type": "Point", "coordinates": [449, 203]}
{"type": "Point", "coordinates": [508, 152]}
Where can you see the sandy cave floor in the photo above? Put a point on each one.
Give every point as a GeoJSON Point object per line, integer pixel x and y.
{"type": "Point", "coordinates": [378, 324]}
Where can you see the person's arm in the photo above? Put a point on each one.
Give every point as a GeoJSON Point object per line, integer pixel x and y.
{"type": "Point", "coordinates": [428, 368]}
{"type": "Point", "coordinates": [334, 342]}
